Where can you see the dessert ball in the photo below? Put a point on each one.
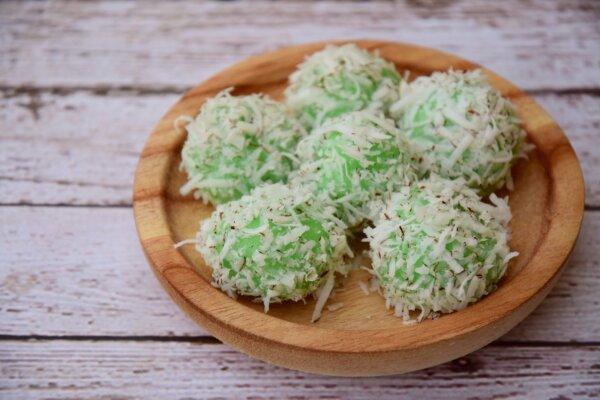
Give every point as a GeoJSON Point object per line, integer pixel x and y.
{"type": "Point", "coordinates": [460, 127]}
{"type": "Point", "coordinates": [276, 243]}
{"type": "Point", "coordinates": [340, 79]}
{"type": "Point", "coordinates": [353, 160]}
{"type": "Point", "coordinates": [436, 247]}
{"type": "Point", "coordinates": [237, 143]}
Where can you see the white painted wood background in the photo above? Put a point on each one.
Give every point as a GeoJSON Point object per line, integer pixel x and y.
{"type": "Point", "coordinates": [81, 84]}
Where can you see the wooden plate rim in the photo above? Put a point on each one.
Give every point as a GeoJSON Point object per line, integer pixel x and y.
{"type": "Point", "coordinates": [566, 206]}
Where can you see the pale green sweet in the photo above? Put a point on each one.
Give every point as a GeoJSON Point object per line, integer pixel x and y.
{"type": "Point", "coordinates": [338, 80]}
{"type": "Point", "coordinates": [353, 160]}
{"type": "Point", "coordinates": [460, 128]}
{"type": "Point", "coordinates": [436, 247]}
{"type": "Point", "coordinates": [275, 244]}
{"type": "Point", "coordinates": [237, 143]}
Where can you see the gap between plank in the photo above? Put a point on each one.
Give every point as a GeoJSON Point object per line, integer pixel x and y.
{"type": "Point", "coordinates": [124, 206]}
{"type": "Point", "coordinates": [213, 340]}
{"type": "Point", "coordinates": [145, 90]}
{"type": "Point", "coordinates": [68, 205]}
{"type": "Point", "coordinates": [113, 338]}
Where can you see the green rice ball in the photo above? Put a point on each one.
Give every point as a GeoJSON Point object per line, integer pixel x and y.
{"type": "Point", "coordinates": [237, 143]}
{"type": "Point", "coordinates": [352, 160]}
{"type": "Point", "coordinates": [340, 79]}
{"type": "Point", "coordinates": [274, 244]}
{"type": "Point", "coordinates": [460, 128]}
{"type": "Point", "coordinates": [436, 247]}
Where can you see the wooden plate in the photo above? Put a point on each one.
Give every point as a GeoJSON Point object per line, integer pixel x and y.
{"type": "Point", "coordinates": [362, 338]}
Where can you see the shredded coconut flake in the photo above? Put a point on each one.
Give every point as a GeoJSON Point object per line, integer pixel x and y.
{"type": "Point", "coordinates": [322, 296]}
{"type": "Point", "coordinates": [364, 287]}
{"type": "Point", "coordinates": [335, 307]}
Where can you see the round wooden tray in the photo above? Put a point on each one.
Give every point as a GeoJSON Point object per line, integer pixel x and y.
{"type": "Point", "coordinates": [362, 338]}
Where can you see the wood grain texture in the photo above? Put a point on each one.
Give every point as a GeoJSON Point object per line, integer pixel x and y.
{"type": "Point", "coordinates": [72, 56]}
{"type": "Point", "coordinates": [75, 148]}
{"type": "Point", "coordinates": [87, 277]}
{"type": "Point", "coordinates": [151, 370]}
{"type": "Point", "coordinates": [99, 170]}
{"type": "Point", "coordinates": [547, 206]}
{"type": "Point", "coordinates": [536, 44]}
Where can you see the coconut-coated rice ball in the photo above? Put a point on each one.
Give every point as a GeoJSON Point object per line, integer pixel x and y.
{"type": "Point", "coordinates": [460, 128]}
{"type": "Point", "coordinates": [353, 160]}
{"type": "Point", "coordinates": [340, 79]}
{"type": "Point", "coordinates": [436, 247]}
{"type": "Point", "coordinates": [276, 243]}
{"type": "Point", "coordinates": [237, 143]}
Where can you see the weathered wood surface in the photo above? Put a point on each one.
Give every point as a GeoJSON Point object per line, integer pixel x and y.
{"type": "Point", "coordinates": [537, 44]}
{"type": "Point", "coordinates": [81, 272]}
{"type": "Point", "coordinates": [82, 147]}
{"type": "Point", "coordinates": [180, 370]}
{"type": "Point", "coordinates": [79, 148]}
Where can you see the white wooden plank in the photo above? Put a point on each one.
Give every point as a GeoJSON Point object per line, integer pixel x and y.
{"type": "Point", "coordinates": [83, 272]}
{"type": "Point", "coordinates": [82, 148]}
{"type": "Point", "coordinates": [80, 272]}
{"type": "Point", "coordinates": [154, 370]}
{"type": "Point", "coordinates": [579, 118]}
{"type": "Point", "coordinates": [78, 148]}
{"type": "Point", "coordinates": [538, 44]}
